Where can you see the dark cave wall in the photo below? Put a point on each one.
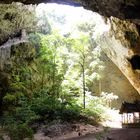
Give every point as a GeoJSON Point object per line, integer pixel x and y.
{"type": "Point", "coordinates": [123, 9]}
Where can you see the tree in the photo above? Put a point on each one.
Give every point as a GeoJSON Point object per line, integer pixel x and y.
{"type": "Point", "coordinates": [80, 48]}
{"type": "Point", "coordinates": [95, 63]}
{"type": "Point", "coordinates": [50, 46]}
{"type": "Point", "coordinates": [43, 25]}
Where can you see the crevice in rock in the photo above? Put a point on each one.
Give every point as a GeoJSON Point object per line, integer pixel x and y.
{"type": "Point", "coordinates": [138, 28]}
{"type": "Point", "coordinates": [18, 34]}
{"type": "Point", "coordinates": [5, 49]}
{"type": "Point", "coordinates": [135, 62]}
{"type": "Point", "coordinates": [20, 38]}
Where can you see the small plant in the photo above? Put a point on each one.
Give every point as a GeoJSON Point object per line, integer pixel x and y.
{"type": "Point", "coordinates": [19, 131]}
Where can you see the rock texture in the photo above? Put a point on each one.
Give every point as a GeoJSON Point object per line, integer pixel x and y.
{"type": "Point", "coordinates": [117, 83]}
{"type": "Point", "coordinates": [113, 81]}
{"type": "Point", "coordinates": [16, 20]}
{"type": "Point", "coordinates": [122, 45]}
{"type": "Point", "coordinates": [68, 2]}
{"type": "Point", "coordinates": [123, 9]}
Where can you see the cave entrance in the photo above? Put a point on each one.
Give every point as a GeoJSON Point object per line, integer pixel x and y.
{"type": "Point", "coordinates": [57, 68]}
{"type": "Point", "coordinates": [85, 63]}
{"type": "Point", "coordinates": [57, 71]}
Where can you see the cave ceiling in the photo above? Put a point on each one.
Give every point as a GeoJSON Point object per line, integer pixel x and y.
{"type": "Point", "coordinates": [123, 9]}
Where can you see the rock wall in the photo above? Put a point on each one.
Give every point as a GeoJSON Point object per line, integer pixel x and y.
{"type": "Point", "coordinates": [123, 9]}
{"type": "Point", "coordinates": [16, 20]}
{"type": "Point", "coordinates": [121, 43]}
{"type": "Point", "coordinates": [114, 81]}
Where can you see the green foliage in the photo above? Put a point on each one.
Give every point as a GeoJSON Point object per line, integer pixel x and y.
{"type": "Point", "coordinates": [16, 122]}
{"type": "Point", "coordinates": [50, 108]}
{"type": "Point", "coordinates": [25, 114]}
{"type": "Point", "coordinates": [19, 131]}
{"type": "Point", "coordinates": [43, 25]}
{"type": "Point", "coordinates": [48, 77]}
{"type": "Point", "coordinates": [16, 127]}
{"type": "Point", "coordinates": [9, 98]}
{"type": "Point", "coordinates": [70, 112]}
{"type": "Point", "coordinates": [87, 27]}
{"type": "Point", "coordinates": [15, 17]}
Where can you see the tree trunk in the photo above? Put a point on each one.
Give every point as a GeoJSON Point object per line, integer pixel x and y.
{"type": "Point", "coordinates": [84, 88]}
{"type": "Point", "coordinates": [43, 74]}
{"type": "Point", "coordinates": [100, 87]}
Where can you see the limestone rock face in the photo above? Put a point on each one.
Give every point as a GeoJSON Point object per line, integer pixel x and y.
{"type": "Point", "coordinates": [114, 81]}
{"type": "Point", "coordinates": [15, 21]}
{"type": "Point", "coordinates": [123, 9]}
{"type": "Point", "coordinates": [13, 18]}
{"type": "Point", "coordinates": [122, 45]}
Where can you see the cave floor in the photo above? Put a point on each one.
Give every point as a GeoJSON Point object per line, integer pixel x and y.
{"type": "Point", "coordinates": [113, 134]}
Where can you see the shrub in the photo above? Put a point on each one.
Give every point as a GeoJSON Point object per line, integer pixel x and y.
{"type": "Point", "coordinates": [19, 131]}
{"type": "Point", "coordinates": [25, 115]}
{"type": "Point", "coordinates": [70, 112]}
{"type": "Point", "coordinates": [54, 109]}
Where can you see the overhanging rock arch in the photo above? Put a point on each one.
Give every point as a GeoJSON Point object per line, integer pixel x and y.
{"type": "Point", "coordinates": [123, 9]}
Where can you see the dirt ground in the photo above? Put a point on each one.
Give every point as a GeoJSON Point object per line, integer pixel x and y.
{"type": "Point", "coordinates": [109, 130]}
{"type": "Point", "coordinates": [59, 131]}
{"type": "Point", "coordinates": [78, 131]}
{"type": "Point", "coordinates": [112, 134]}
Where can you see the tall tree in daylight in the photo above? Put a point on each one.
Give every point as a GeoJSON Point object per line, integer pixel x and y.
{"type": "Point", "coordinates": [81, 47]}
{"type": "Point", "coordinates": [96, 65]}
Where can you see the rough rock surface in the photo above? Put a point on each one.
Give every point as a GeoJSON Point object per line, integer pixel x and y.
{"type": "Point", "coordinates": [114, 81]}
{"type": "Point", "coordinates": [16, 20]}
{"type": "Point", "coordinates": [122, 45]}
{"type": "Point", "coordinates": [13, 18]}
{"type": "Point", "coordinates": [123, 9]}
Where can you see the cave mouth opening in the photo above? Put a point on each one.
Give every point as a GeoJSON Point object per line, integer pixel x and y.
{"type": "Point", "coordinates": [55, 22]}
{"type": "Point", "coordinates": [66, 2]}
{"type": "Point", "coordinates": [64, 19]}
{"type": "Point", "coordinates": [135, 62]}
{"type": "Point", "coordinates": [67, 13]}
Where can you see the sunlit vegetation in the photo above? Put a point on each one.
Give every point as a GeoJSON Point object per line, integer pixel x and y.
{"type": "Point", "coordinates": [51, 77]}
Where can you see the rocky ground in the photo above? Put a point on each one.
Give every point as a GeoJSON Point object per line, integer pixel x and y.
{"type": "Point", "coordinates": [66, 131]}
{"type": "Point", "coordinates": [80, 131]}
{"type": "Point", "coordinates": [89, 132]}
{"type": "Point", "coordinates": [109, 130]}
{"type": "Point", "coordinates": [114, 134]}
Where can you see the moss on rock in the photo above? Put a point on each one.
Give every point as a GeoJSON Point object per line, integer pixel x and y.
{"type": "Point", "coordinates": [13, 18]}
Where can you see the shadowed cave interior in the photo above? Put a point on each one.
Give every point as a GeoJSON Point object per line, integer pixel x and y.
{"type": "Point", "coordinates": [135, 62]}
